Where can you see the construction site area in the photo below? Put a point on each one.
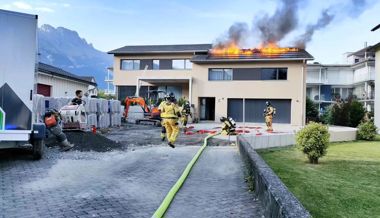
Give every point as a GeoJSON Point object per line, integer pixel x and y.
{"type": "Point", "coordinates": [126, 172]}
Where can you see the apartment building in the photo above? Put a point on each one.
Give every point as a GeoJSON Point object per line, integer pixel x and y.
{"type": "Point", "coordinates": [236, 85]}
{"type": "Point", "coordinates": [356, 79]}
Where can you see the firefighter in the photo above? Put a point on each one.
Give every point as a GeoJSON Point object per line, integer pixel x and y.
{"type": "Point", "coordinates": [162, 115]}
{"type": "Point", "coordinates": [185, 113]}
{"type": "Point", "coordinates": [78, 98]}
{"type": "Point", "coordinates": [52, 120]}
{"type": "Point", "coordinates": [170, 114]}
{"type": "Point", "coordinates": [228, 126]}
{"type": "Point", "coordinates": [269, 112]}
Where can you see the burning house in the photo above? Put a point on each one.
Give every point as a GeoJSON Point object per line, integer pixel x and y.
{"type": "Point", "coordinates": [218, 81]}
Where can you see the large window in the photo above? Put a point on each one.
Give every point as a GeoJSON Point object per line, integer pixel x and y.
{"type": "Point", "coordinates": [274, 74]}
{"type": "Point", "coordinates": [188, 64]}
{"type": "Point", "coordinates": [220, 74]}
{"type": "Point", "coordinates": [178, 64]}
{"type": "Point", "coordinates": [156, 64]}
{"type": "Point", "coordinates": [182, 64]}
{"type": "Point", "coordinates": [130, 65]}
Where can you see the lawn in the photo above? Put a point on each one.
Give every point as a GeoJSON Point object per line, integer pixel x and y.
{"type": "Point", "coordinates": [346, 183]}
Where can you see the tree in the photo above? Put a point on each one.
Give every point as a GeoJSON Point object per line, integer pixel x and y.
{"type": "Point", "coordinates": [311, 110]}
{"type": "Point", "coordinates": [102, 94]}
{"type": "Point", "coordinates": [357, 112]}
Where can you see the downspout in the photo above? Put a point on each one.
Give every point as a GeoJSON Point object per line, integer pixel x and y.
{"type": "Point", "coordinates": [303, 100]}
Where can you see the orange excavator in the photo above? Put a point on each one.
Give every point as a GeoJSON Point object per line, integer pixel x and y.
{"type": "Point", "coordinates": [151, 113]}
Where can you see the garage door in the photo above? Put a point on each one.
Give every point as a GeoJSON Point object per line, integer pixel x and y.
{"type": "Point", "coordinates": [254, 109]}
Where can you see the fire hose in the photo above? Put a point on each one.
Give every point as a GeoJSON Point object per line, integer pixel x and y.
{"type": "Point", "coordinates": [173, 191]}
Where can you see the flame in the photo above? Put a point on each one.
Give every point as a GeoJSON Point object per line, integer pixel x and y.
{"type": "Point", "coordinates": [269, 49]}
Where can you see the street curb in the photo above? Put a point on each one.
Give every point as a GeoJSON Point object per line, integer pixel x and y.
{"type": "Point", "coordinates": [277, 200]}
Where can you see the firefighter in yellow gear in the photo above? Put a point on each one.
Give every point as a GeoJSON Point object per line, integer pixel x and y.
{"type": "Point", "coordinates": [228, 126]}
{"type": "Point", "coordinates": [170, 114]}
{"type": "Point", "coordinates": [185, 113]}
{"type": "Point", "coordinates": [269, 112]}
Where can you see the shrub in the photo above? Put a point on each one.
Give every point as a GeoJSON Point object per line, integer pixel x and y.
{"type": "Point", "coordinates": [326, 117]}
{"type": "Point", "coordinates": [367, 131]}
{"type": "Point", "coordinates": [357, 112]}
{"type": "Point", "coordinates": [313, 140]}
{"type": "Point", "coordinates": [311, 110]}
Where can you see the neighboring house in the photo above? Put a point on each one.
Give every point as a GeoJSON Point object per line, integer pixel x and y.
{"type": "Point", "coordinates": [327, 83]}
{"type": "Point", "coordinates": [55, 82]}
{"type": "Point", "coordinates": [217, 86]}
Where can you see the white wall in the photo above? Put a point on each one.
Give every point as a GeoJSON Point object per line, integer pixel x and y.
{"type": "Point", "coordinates": [377, 89]}
{"type": "Point", "coordinates": [61, 87]}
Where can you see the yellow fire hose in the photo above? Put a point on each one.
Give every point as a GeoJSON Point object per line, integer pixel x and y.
{"type": "Point", "coordinates": [173, 191]}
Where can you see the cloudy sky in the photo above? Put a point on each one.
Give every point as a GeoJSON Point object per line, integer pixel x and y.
{"type": "Point", "coordinates": [112, 24]}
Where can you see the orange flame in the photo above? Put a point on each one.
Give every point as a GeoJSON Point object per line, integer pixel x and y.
{"type": "Point", "coordinates": [270, 49]}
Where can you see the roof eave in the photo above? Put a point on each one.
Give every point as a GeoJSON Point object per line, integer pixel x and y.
{"type": "Point", "coordinates": [155, 52]}
{"type": "Point", "coordinates": [250, 60]}
{"type": "Point", "coordinates": [67, 77]}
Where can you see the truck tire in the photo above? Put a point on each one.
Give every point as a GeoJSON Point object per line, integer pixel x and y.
{"type": "Point", "coordinates": [38, 149]}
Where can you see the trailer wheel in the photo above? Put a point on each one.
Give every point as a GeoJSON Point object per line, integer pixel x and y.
{"type": "Point", "coordinates": [38, 149]}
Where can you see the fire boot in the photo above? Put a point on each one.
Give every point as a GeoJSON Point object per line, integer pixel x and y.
{"type": "Point", "coordinates": [66, 145]}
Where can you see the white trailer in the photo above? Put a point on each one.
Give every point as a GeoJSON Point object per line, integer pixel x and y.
{"type": "Point", "coordinates": [18, 61]}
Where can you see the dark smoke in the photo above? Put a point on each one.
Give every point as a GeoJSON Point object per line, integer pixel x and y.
{"type": "Point", "coordinates": [357, 7]}
{"type": "Point", "coordinates": [323, 21]}
{"type": "Point", "coordinates": [273, 29]}
{"type": "Point", "coordinates": [236, 35]}
{"type": "Point", "coordinates": [282, 22]}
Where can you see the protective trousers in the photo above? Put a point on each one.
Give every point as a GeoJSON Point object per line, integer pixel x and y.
{"type": "Point", "coordinates": [58, 133]}
{"type": "Point", "coordinates": [163, 130]}
{"type": "Point", "coordinates": [172, 129]}
{"type": "Point", "coordinates": [184, 119]}
{"type": "Point", "coordinates": [268, 122]}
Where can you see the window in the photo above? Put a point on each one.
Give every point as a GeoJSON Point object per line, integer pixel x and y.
{"type": "Point", "coordinates": [188, 64]}
{"type": "Point", "coordinates": [220, 74]}
{"type": "Point", "coordinates": [156, 64]}
{"type": "Point", "coordinates": [282, 74]}
{"type": "Point", "coordinates": [178, 64]}
{"type": "Point", "coordinates": [274, 74]}
{"type": "Point", "coordinates": [269, 74]}
{"type": "Point", "coordinates": [130, 65]}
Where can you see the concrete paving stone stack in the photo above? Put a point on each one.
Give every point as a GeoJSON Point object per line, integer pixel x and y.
{"type": "Point", "coordinates": [92, 120]}
{"type": "Point", "coordinates": [102, 112]}
{"type": "Point", "coordinates": [135, 113]}
{"type": "Point", "coordinates": [115, 112]}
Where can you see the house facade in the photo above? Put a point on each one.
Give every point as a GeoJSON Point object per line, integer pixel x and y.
{"type": "Point", "coordinates": [216, 86]}
{"type": "Point", "coordinates": [356, 79]}
{"type": "Point", "coordinates": [55, 82]}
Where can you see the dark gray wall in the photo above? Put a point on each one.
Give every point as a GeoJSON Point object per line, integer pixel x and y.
{"type": "Point", "coordinates": [145, 62]}
{"type": "Point", "coordinates": [254, 109]}
{"type": "Point", "coordinates": [246, 74]}
{"type": "Point", "coordinates": [235, 109]}
{"type": "Point", "coordinates": [166, 64]}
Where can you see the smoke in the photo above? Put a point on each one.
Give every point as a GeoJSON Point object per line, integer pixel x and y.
{"type": "Point", "coordinates": [274, 28]}
{"type": "Point", "coordinates": [236, 35]}
{"type": "Point", "coordinates": [356, 8]}
{"type": "Point", "coordinates": [306, 37]}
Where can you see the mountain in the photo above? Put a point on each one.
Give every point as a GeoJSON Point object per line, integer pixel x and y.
{"type": "Point", "coordinates": [65, 49]}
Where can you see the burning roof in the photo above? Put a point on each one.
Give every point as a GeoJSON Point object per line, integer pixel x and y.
{"type": "Point", "coordinates": [267, 53]}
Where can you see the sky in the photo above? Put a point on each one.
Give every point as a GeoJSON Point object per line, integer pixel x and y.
{"type": "Point", "coordinates": [112, 24]}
